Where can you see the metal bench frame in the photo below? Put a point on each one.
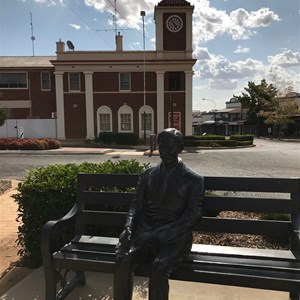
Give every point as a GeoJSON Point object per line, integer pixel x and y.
{"type": "Point", "coordinates": [263, 269]}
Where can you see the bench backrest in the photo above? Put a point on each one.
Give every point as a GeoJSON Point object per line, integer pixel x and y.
{"type": "Point", "coordinates": [263, 195]}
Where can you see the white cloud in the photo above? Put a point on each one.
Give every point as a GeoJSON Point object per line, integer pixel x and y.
{"type": "Point", "coordinates": [135, 46]}
{"type": "Point", "coordinates": [221, 84]}
{"type": "Point", "coordinates": [75, 26]}
{"type": "Point", "coordinates": [128, 11]}
{"type": "Point", "coordinates": [225, 74]}
{"type": "Point", "coordinates": [49, 2]}
{"type": "Point", "coordinates": [285, 59]}
{"type": "Point", "coordinates": [239, 24]}
{"type": "Point", "coordinates": [241, 49]}
{"type": "Point", "coordinates": [210, 66]}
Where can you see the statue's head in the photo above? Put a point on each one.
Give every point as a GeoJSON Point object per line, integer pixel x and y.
{"type": "Point", "coordinates": [170, 144]}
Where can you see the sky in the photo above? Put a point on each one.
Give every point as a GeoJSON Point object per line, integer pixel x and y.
{"type": "Point", "coordinates": [234, 41]}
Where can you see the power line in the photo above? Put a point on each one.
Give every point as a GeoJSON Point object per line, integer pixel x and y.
{"type": "Point", "coordinates": [85, 22]}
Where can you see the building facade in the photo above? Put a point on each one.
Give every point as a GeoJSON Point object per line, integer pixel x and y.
{"type": "Point", "coordinates": [120, 91]}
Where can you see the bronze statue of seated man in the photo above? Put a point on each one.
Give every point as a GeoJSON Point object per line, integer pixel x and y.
{"type": "Point", "coordinates": [158, 229]}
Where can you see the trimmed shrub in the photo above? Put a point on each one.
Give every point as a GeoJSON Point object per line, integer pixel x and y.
{"type": "Point", "coordinates": [48, 193]}
{"type": "Point", "coordinates": [107, 137]}
{"type": "Point", "coordinates": [210, 143]}
{"type": "Point", "coordinates": [242, 137]}
{"type": "Point", "coordinates": [28, 144]}
{"type": "Point", "coordinates": [126, 139]}
{"type": "Point", "coordinates": [53, 144]}
{"type": "Point", "coordinates": [213, 137]}
{"type": "Point", "coordinates": [227, 143]}
{"type": "Point", "coordinates": [245, 143]}
{"type": "Point", "coordinates": [118, 138]}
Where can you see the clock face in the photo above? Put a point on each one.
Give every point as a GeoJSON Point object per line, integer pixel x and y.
{"type": "Point", "coordinates": [174, 23]}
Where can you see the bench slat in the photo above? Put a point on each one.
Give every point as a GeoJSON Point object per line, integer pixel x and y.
{"type": "Point", "coordinates": [105, 198]}
{"type": "Point", "coordinates": [208, 224]}
{"type": "Point", "coordinates": [107, 180]}
{"type": "Point", "coordinates": [107, 218]}
{"type": "Point", "coordinates": [259, 227]}
{"type": "Point", "coordinates": [248, 184]}
{"type": "Point", "coordinates": [248, 204]}
{"type": "Point", "coordinates": [244, 277]}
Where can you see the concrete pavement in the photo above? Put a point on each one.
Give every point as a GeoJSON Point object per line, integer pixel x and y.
{"type": "Point", "coordinates": [99, 286]}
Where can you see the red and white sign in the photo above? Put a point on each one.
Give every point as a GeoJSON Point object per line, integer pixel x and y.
{"type": "Point", "coordinates": [176, 120]}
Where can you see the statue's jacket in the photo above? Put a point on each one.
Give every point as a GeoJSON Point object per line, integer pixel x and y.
{"type": "Point", "coordinates": [166, 204]}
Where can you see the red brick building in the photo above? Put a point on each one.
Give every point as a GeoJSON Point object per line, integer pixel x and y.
{"type": "Point", "coordinates": [94, 91]}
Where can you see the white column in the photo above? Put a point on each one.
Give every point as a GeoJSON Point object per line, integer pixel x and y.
{"type": "Point", "coordinates": [60, 108]}
{"type": "Point", "coordinates": [188, 102]}
{"type": "Point", "coordinates": [89, 105]}
{"type": "Point", "coordinates": [160, 100]}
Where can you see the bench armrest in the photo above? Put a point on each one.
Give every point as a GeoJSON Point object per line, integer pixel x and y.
{"type": "Point", "coordinates": [49, 230]}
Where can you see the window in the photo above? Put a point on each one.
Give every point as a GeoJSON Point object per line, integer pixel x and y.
{"type": "Point", "coordinates": [125, 122]}
{"type": "Point", "coordinates": [104, 119]}
{"type": "Point", "coordinates": [13, 80]}
{"type": "Point", "coordinates": [74, 82]}
{"type": "Point", "coordinates": [174, 81]}
{"type": "Point", "coordinates": [125, 119]}
{"type": "Point", "coordinates": [45, 81]}
{"type": "Point", "coordinates": [148, 121]}
{"type": "Point", "coordinates": [125, 82]}
{"type": "Point", "coordinates": [104, 122]}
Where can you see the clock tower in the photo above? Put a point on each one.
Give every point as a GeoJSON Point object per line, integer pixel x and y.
{"type": "Point", "coordinates": [173, 20]}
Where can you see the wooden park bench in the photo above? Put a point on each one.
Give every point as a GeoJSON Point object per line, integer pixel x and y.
{"type": "Point", "coordinates": [96, 205]}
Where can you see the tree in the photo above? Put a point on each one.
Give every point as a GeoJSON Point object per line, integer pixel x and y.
{"type": "Point", "coordinates": [278, 111]}
{"type": "Point", "coordinates": [254, 98]}
{"type": "Point", "coordinates": [3, 115]}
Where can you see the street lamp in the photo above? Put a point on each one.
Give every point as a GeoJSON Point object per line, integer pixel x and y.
{"type": "Point", "coordinates": [144, 71]}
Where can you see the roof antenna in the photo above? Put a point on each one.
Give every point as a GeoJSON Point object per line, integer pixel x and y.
{"type": "Point", "coordinates": [32, 36]}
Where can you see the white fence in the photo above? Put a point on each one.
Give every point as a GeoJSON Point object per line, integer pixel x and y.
{"type": "Point", "coordinates": [29, 128]}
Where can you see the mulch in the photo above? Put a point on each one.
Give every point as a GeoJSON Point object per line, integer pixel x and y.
{"type": "Point", "coordinates": [241, 240]}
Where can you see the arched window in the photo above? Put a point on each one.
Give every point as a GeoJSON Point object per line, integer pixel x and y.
{"type": "Point", "coordinates": [125, 119]}
{"type": "Point", "coordinates": [146, 113]}
{"type": "Point", "coordinates": [104, 119]}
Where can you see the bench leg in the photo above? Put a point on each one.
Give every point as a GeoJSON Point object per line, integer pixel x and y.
{"type": "Point", "coordinates": [50, 284]}
{"type": "Point", "coordinates": [294, 296]}
{"type": "Point", "coordinates": [81, 276]}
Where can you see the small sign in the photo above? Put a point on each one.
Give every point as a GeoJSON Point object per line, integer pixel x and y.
{"type": "Point", "coordinates": [21, 132]}
{"type": "Point", "coordinates": [176, 120]}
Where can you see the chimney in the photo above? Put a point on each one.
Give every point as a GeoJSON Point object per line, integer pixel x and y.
{"type": "Point", "coordinates": [60, 46]}
{"type": "Point", "coordinates": [119, 42]}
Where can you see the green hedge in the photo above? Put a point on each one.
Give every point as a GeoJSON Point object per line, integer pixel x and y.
{"type": "Point", "coordinates": [118, 138]}
{"type": "Point", "coordinates": [48, 193]}
{"type": "Point", "coordinates": [242, 137]}
{"type": "Point", "coordinates": [213, 137]}
{"type": "Point", "coordinates": [210, 143]}
{"type": "Point", "coordinates": [244, 143]}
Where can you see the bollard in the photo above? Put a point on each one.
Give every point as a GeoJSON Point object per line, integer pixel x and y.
{"type": "Point", "coordinates": [151, 143]}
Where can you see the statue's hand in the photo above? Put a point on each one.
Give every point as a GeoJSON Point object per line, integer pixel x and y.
{"type": "Point", "coordinates": [124, 241]}
{"type": "Point", "coordinates": [146, 238]}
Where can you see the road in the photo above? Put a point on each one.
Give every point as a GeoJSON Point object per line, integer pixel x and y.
{"type": "Point", "coordinates": [267, 159]}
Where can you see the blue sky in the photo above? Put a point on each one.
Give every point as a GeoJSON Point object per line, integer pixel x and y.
{"type": "Point", "coordinates": [235, 41]}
